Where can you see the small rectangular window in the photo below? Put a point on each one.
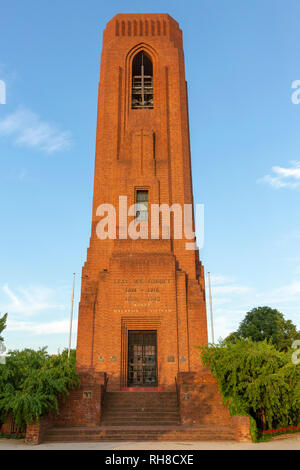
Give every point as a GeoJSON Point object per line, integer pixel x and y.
{"type": "Point", "coordinates": [142, 205]}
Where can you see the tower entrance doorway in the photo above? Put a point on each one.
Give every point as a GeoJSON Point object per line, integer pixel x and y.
{"type": "Point", "coordinates": [142, 358]}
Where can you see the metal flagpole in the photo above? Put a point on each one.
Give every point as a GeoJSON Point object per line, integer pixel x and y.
{"type": "Point", "coordinates": [211, 311]}
{"type": "Point", "coordinates": [71, 318]}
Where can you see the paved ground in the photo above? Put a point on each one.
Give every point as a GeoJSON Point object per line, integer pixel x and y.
{"type": "Point", "coordinates": [287, 443]}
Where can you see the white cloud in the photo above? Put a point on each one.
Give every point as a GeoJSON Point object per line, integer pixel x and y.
{"type": "Point", "coordinates": [29, 301]}
{"type": "Point", "coordinates": [231, 301]}
{"type": "Point", "coordinates": [284, 177]}
{"type": "Point", "coordinates": [35, 311]}
{"type": "Point", "coordinates": [291, 289]}
{"type": "Point", "coordinates": [231, 289]}
{"type": "Point", "coordinates": [284, 294]}
{"type": "Point", "coordinates": [29, 130]}
{"type": "Point", "coordinates": [217, 279]}
{"type": "Point", "coordinates": [225, 289]}
{"type": "Point", "coordinates": [223, 327]}
{"type": "Point", "coordinates": [47, 328]}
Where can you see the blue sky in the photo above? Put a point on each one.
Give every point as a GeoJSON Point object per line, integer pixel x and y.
{"type": "Point", "coordinates": [241, 60]}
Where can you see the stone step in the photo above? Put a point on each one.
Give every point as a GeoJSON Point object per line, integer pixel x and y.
{"type": "Point", "coordinates": [138, 433]}
{"type": "Point", "coordinates": [113, 418]}
{"type": "Point", "coordinates": [139, 421]}
{"type": "Point", "coordinates": [141, 404]}
{"type": "Point", "coordinates": [139, 400]}
{"type": "Point", "coordinates": [128, 413]}
{"type": "Point", "coordinates": [132, 408]}
{"type": "Point", "coordinates": [136, 397]}
{"type": "Point", "coordinates": [145, 405]}
{"type": "Point", "coordinates": [142, 392]}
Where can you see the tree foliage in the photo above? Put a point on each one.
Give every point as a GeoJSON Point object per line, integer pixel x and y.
{"type": "Point", "coordinates": [258, 379]}
{"type": "Point", "coordinates": [262, 323]}
{"type": "Point", "coordinates": [31, 382]}
{"type": "Point", "coordinates": [2, 324]}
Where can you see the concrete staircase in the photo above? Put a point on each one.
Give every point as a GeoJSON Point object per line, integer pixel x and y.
{"type": "Point", "coordinates": [139, 416]}
{"type": "Point", "coordinates": [140, 409]}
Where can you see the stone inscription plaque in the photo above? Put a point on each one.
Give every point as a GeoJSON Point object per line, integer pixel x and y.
{"type": "Point", "coordinates": [143, 293]}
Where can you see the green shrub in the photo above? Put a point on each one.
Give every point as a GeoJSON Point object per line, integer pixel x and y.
{"type": "Point", "coordinates": [31, 382]}
{"type": "Point", "coordinates": [257, 380]}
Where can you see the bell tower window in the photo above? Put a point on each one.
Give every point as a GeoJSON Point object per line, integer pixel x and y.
{"type": "Point", "coordinates": [142, 82]}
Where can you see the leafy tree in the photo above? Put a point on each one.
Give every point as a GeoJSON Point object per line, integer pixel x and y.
{"type": "Point", "coordinates": [262, 323]}
{"type": "Point", "coordinates": [32, 381]}
{"type": "Point", "coordinates": [232, 338]}
{"type": "Point", "coordinates": [3, 324]}
{"type": "Point", "coordinates": [257, 378]}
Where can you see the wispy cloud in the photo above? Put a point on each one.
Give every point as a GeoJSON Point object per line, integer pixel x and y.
{"type": "Point", "coordinates": [283, 177]}
{"type": "Point", "coordinates": [232, 300]}
{"type": "Point", "coordinates": [29, 130]}
{"type": "Point", "coordinates": [35, 311]}
{"type": "Point", "coordinates": [226, 289]}
{"type": "Point", "coordinates": [43, 328]}
{"type": "Point", "coordinates": [285, 294]}
{"type": "Point", "coordinates": [29, 301]}
{"type": "Point", "coordinates": [219, 279]}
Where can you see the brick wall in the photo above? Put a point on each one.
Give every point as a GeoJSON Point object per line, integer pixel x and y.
{"type": "Point", "coordinates": [82, 407]}
{"type": "Point", "coordinates": [242, 428]}
{"type": "Point", "coordinates": [201, 403]}
{"type": "Point", "coordinates": [36, 430]}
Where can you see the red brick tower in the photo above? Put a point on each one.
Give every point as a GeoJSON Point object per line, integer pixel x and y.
{"type": "Point", "coordinates": [142, 310]}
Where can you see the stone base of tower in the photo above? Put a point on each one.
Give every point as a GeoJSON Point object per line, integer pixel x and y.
{"type": "Point", "coordinates": [198, 413]}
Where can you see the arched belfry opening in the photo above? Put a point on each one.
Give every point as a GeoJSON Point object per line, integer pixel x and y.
{"type": "Point", "coordinates": [142, 82]}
